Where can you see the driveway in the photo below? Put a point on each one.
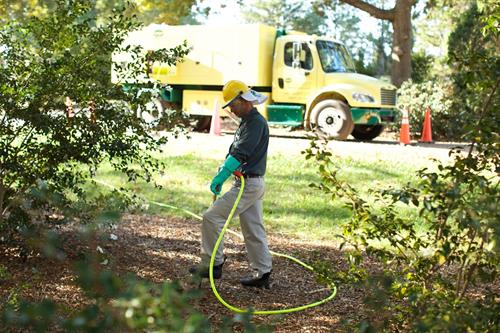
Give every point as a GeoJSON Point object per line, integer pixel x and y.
{"type": "Point", "coordinates": [288, 143]}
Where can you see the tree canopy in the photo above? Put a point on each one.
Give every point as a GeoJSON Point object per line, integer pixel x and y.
{"type": "Point", "coordinates": [147, 11]}
{"type": "Point", "coordinates": [290, 15]}
{"type": "Point", "coordinates": [400, 17]}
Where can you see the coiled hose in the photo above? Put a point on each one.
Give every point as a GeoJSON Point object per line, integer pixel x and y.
{"type": "Point", "coordinates": [332, 287]}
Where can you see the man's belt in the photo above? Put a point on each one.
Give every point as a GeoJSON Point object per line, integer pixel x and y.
{"type": "Point", "coordinates": [251, 175]}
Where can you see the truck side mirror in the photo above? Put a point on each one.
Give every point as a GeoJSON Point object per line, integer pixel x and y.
{"type": "Point", "coordinates": [297, 54]}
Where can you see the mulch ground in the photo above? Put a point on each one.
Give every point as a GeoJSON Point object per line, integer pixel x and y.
{"type": "Point", "coordinates": [162, 249]}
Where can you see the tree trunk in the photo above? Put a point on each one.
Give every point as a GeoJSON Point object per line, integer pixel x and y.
{"type": "Point", "coordinates": [382, 57]}
{"type": "Point", "coordinates": [401, 42]}
{"type": "Point", "coordinates": [400, 17]}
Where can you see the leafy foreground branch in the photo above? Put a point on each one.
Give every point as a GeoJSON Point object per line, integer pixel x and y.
{"type": "Point", "coordinates": [441, 275]}
{"type": "Point", "coordinates": [112, 303]}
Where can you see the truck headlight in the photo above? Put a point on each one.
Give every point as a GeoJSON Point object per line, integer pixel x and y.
{"type": "Point", "coordinates": [365, 98]}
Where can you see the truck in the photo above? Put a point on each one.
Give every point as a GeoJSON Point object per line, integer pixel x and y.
{"type": "Point", "coordinates": [310, 80]}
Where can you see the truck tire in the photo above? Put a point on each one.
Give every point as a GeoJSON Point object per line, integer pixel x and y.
{"type": "Point", "coordinates": [367, 132]}
{"type": "Point", "coordinates": [152, 111]}
{"type": "Point", "coordinates": [332, 118]}
{"type": "Point", "coordinates": [201, 123]}
{"type": "Point", "coordinates": [157, 109]}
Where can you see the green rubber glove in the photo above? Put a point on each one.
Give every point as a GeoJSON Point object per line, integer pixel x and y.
{"type": "Point", "coordinates": [230, 164]}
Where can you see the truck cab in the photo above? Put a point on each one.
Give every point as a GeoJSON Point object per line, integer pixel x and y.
{"type": "Point", "coordinates": [318, 74]}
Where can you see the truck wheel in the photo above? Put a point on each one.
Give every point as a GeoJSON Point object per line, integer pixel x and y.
{"type": "Point", "coordinates": [152, 111]}
{"type": "Point", "coordinates": [333, 119]}
{"type": "Point", "coordinates": [201, 123]}
{"type": "Point", "coordinates": [155, 110]}
{"type": "Point", "coordinates": [367, 132]}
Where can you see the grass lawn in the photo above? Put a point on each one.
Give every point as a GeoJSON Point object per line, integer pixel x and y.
{"type": "Point", "coordinates": [291, 206]}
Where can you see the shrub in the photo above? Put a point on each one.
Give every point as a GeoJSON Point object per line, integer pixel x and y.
{"type": "Point", "coordinates": [46, 140]}
{"type": "Point", "coordinates": [446, 124]}
{"type": "Point", "coordinates": [473, 56]}
{"type": "Point", "coordinates": [436, 276]}
{"type": "Point", "coordinates": [421, 65]}
{"type": "Point", "coordinates": [428, 270]}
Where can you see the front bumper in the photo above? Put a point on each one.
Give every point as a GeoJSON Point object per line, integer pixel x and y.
{"type": "Point", "coordinates": [368, 116]}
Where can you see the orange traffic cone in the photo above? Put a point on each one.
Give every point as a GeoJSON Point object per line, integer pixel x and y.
{"type": "Point", "coordinates": [215, 128]}
{"type": "Point", "coordinates": [427, 129]}
{"type": "Point", "coordinates": [404, 134]}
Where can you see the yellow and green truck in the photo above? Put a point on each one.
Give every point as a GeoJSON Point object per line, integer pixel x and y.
{"type": "Point", "coordinates": [310, 80]}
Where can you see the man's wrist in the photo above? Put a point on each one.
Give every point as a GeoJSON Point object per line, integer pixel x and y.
{"type": "Point", "coordinates": [231, 163]}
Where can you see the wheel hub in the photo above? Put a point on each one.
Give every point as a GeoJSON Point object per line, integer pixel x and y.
{"type": "Point", "coordinates": [331, 120]}
{"type": "Point", "coordinates": [152, 111]}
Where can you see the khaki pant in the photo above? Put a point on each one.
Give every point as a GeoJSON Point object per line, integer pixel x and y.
{"type": "Point", "coordinates": [250, 212]}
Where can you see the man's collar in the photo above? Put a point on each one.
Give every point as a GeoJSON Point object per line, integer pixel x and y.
{"type": "Point", "coordinates": [250, 114]}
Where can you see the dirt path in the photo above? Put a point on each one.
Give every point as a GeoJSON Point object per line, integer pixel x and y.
{"type": "Point", "coordinates": [162, 249]}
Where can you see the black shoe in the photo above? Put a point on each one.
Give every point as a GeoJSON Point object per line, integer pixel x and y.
{"type": "Point", "coordinates": [258, 282]}
{"type": "Point", "coordinates": [202, 271]}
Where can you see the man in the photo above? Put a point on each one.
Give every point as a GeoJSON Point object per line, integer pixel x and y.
{"type": "Point", "coordinates": [248, 153]}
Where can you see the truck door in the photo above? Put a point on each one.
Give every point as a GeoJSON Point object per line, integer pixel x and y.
{"type": "Point", "coordinates": [294, 74]}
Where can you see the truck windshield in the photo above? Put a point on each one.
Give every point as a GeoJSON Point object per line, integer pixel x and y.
{"type": "Point", "coordinates": [334, 57]}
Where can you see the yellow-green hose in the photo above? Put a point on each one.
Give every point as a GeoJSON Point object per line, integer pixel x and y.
{"type": "Point", "coordinates": [258, 312]}
{"type": "Point", "coordinates": [225, 229]}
